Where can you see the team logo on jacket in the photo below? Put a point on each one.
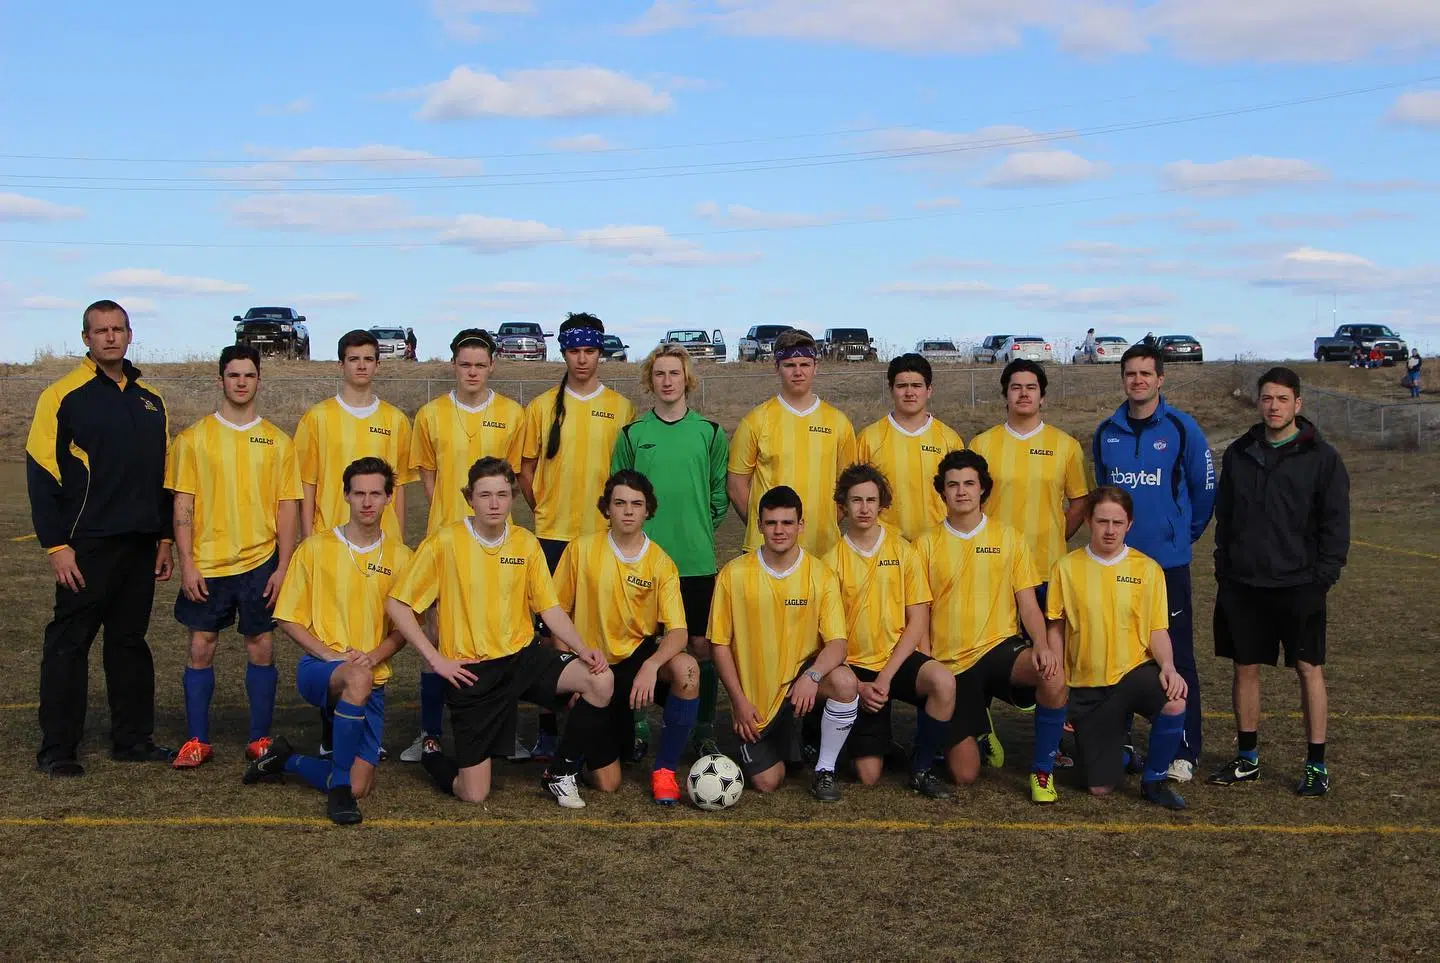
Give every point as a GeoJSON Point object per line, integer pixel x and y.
{"type": "Point", "coordinates": [149, 405]}
{"type": "Point", "coordinates": [1160, 444]}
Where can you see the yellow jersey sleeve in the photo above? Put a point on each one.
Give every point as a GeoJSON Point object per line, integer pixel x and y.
{"type": "Point", "coordinates": [1077, 479]}
{"type": "Point", "coordinates": [184, 477]}
{"type": "Point", "coordinates": [290, 488]}
{"type": "Point", "coordinates": [405, 472]}
{"type": "Point", "coordinates": [1023, 574]}
{"type": "Point", "coordinates": [307, 448]}
{"type": "Point", "coordinates": [422, 444]}
{"type": "Point", "coordinates": [722, 621]}
{"type": "Point", "coordinates": [917, 585]}
{"type": "Point", "coordinates": [846, 450]}
{"type": "Point", "coordinates": [293, 604]}
{"type": "Point", "coordinates": [832, 604]}
{"type": "Point", "coordinates": [539, 588]}
{"type": "Point", "coordinates": [566, 576]}
{"type": "Point", "coordinates": [418, 585]}
{"type": "Point", "coordinates": [745, 448]}
{"type": "Point", "coordinates": [1055, 594]}
{"type": "Point", "coordinates": [672, 604]}
{"type": "Point", "coordinates": [532, 440]}
{"type": "Point", "coordinates": [1158, 602]}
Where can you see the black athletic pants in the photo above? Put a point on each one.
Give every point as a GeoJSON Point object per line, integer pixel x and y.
{"type": "Point", "coordinates": [119, 574]}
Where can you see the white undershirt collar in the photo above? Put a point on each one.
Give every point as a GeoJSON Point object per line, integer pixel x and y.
{"type": "Point", "coordinates": [234, 427]}
{"type": "Point", "coordinates": [984, 520]}
{"type": "Point", "coordinates": [929, 418]}
{"type": "Point", "coordinates": [628, 559]}
{"type": "Point", "coordinates": [339, 531]}
{"type": "Point", "coordinates": [1111, 561]}
{"type": "Point", "coordinates": [1027, 435]}
{"type": "Point", "coordinates": [478, 408]}
{"type": "Point", "coordinates": [470, 524]}
{"type": "Point", "coordinates": [760, 556]}
{"type": "Point", "coordinates": [364, 412]}
{"type": "Point", "coordinates": [579, 397]}
{"type": "Point", "coordinates": [874, 550]}
{"type": "Point", "coordinates": [796, 411]}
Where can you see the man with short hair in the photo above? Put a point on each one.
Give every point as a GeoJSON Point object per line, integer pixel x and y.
{"type": "Point", "coordinates": [793, 440]}
{"type": "Point", "coordinates": [95, 470]}
{"type": "Point", "coordinates": [237, 490]}
{"type": "Point", "coordinates": [907, 444]}
{"type": "Point", "coordinates": [777, 626]}
{"type": "Point", "coordinates": [1282, 535]}
{"type": "Point", "coordinates": [887, 616]}
{"type": "Point", "coordinates": [333, 605]}
{"type": "Point", "coordinates": [983, 581]}
{"type": "Point", "coordinates": [1159, 456]}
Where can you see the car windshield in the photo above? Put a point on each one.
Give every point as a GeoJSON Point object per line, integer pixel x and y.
{"type": "Point", "coordinates": [612, 341]}
{"type": "Point", "coordinates": [850, 334]}
{"type": "Point", "coordinates": [1375, 331]}
{"type": "Point", "coordinates": [519, 327]}
{"type": "Point", "coordinates": [686, 337]}
{"type": "Point", "coordinates": [273, 314]}
{"type": "Point", "coordinates": [938, 346]}
{"type": "Point", "coordinates": [1179, 339]}
{"type": "Point", "coordinates": [770, 330]}
{"type": "Point", "coordinates": [389, 334]}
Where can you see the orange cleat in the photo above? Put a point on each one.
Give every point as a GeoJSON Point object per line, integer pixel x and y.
{"type": "Point", "coordinates": [194, 753]}
{"type": "Point", "coordinates": [257, 748]}
{"type": "Point", "coordinates": [664, 787]}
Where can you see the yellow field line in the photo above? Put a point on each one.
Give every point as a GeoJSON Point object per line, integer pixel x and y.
{"type": "Point", "coordinates": [720, 822]}
{"type": "Point", "coordinates": [1397, 551]}
{"type": "Point", "coordinates": [23, 538]}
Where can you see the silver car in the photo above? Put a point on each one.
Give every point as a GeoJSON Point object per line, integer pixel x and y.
{"type": "Point", "coordinates": [1107, 350]}
{"type": "Point", "coordinates": [1029, 346]}
{"type": "Point", "coordinates": [392, 342]}
{"type": "Point", "coordinates": [939, 349]}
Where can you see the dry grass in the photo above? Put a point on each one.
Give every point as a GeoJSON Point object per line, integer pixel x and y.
{"type": "Point", "coordinates": [1058, 890]}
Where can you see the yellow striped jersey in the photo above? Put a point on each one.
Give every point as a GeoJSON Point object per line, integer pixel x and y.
{"type": "Point", "coordinates": [617, 603]}
{"type": "Point", "coordinates": [449, 438]}
{"type": "Point", "coordinates": [487, 592]}
{"type": "Point", "coordinates": [777, 445]}
{"type": "Point", "coordinates": [1110, 608]}
{"type": "Point", "coordinates": [331, 435]}
{"type": "Point", "coordinates": [568, 486]}
{"type": "Point", "coordinates": [876, 588]}
{"type": "Point", "coordinates": [1033, 474]}
{"type": "Point", "coordinates": [239, 475]}
{"type": "Point", "coordinates": [337, 591]}
{"type": "Point", "coordinates": [974, 578]}
{"type": "Point", "coordinates": [909, 460]}
{"type": "Point", "coordinates": [773, 622]}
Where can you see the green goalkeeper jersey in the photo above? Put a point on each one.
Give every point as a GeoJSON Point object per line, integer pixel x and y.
{"type": "Point", "coordinates": [686, 462]}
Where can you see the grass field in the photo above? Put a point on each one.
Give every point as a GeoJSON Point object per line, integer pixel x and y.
{"type": "Point", "coordinates": [131, 862]}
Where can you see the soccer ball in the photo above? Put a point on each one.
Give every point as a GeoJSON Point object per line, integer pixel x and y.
{"type": "Point", "coordinates": [715, 782]}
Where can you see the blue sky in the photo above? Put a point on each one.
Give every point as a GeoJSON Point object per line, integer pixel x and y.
{"type": "Point", "coordinates": [1235, 169]}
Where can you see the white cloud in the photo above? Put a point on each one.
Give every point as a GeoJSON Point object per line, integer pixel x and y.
{"type": "Point", "coordinates": [300, 105]}
{"type": "Point", "coordinates": [48, 302]}
{"type": "Point", "coordinates": [1242, 174]}
{"type": "Point", "coordinates": [1044, 168]}
{"type": "Point", "coordinates": [740, 216]}
{"type": "Point", "coordinates": [327, 297]}
{"type": "Point", "coordinates": [137, 306]}
{"type": "Point", "coordinates": [153, 279]}
{"type": "Point", "coordinates": [327, 213]}
{"type": "Point", "coordinates": [489, 235]}
{"type": "Point", "coordinates": [1293, 30]}
{"type": "Point", "coordinates": [458, 17]}
{"type": "Point", "coordinates": [544, 92]}
{"type": "Point", "coordinates": [1338, 259]}
{"type": "Point", "coordinates": [1420, 108]}
{"type": "Point", "coordinates": [581, 143]}
{"type": "Point", "coordinates": [18, 207]}
{"type": "Point", "coordinates": [653, 245]}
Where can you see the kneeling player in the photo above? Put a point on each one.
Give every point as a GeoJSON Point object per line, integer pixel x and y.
{"type": "Point", "coordinates": [489, 577]}
{"type": "Point", "coordinates": [620, 588]}
{"type": "Point", "coordinates": [773, 608]}
{"type": "Point", "coordinates": [982, 578]}
{"type": "Point", "coordinates": [887, 613]}
{"type": "Point", "coordinates": [333, 605]}
{"type": "Point", "coordinates": [1108, 611]}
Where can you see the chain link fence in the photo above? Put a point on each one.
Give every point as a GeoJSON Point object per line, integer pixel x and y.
{"type": "Point", "coordinates": [1413, 425]}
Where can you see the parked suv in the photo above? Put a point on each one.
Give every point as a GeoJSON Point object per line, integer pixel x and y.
{"type": "Point", "coordinates": [392, 342]}
{"type": "Point", "coordinates": [759, 341]}
{"type": "Point", "coordinates": [848, 344]}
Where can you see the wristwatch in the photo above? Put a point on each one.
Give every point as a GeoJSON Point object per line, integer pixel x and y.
{"type": "Point", "coordinates": [813, 676]}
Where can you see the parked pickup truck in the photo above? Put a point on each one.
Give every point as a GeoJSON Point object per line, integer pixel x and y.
{"type": "Point", "coordinates": [274, 332]}
{"type": "Point", "coordinates": [1341, 346]}
{"type": "Point", "coordinates": [700, 346]}
{"type": "Point", "coordinates": [524, 340]}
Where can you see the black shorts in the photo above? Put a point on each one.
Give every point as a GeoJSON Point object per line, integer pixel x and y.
{"type": "Point", "coordinates": [696, 592]}
{"type": "Point", "coordinates": [240, 595]}
{"type": "Point", "coordinates": [871, 733]}
{"type": "Point", "coordinates": [620, 717]}
{"type": "Point", "coordinates": [985, 680]}
{"type": "Point", "coordinates": [1253, 624]}
{"type": "Point", "coordinates": [552, 548]}
{"type": "Point", "coordinates": [1101, 717]}
{"type": "Point", "coordinates": [779, 742]}
{"type": "Point", "coordinates": [482, 716]}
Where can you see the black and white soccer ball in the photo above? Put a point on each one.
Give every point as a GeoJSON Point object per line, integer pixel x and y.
{"type": "Point", "coordinates": [715, 782]}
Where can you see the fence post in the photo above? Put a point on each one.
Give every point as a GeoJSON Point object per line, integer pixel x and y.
{"type": "Point", "coordinates": [1382, 425]}
{"type": "Point", "coordinates": [702, 394]}
{"type": "Point", "coordinates": [972, 387]}
{"type": "Point", "coordinates": [1419, 434]}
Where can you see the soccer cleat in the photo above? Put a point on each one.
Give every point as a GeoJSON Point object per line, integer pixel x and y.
{"type": "Point", "coordinates": [326, 752]}
{"type": "Point", "coordinates": [1134, 761]}
{"type": "Point", "coordinates": [341, 807]}
{"type": "Point", "coordinates": [1236, 770]}
{"type": "Point", "coordinates": [565, 790]}
{"type": "Point", "coordinates": [638, 749]}
{"type": "Point", "coordinates": [416, 749]}
{"type": "Point", "coordinates": [1160, 793]}
{"type": "Point", "coordinates": [142, 752]}
{"type": "Point", "coordinates": [544, 748]}
{"type": "Point", "coordinates": [1042, 787]}
{"type": "Point", "coordinates": [664, 787]}
{"type": "Point", "coordinates": [1181, 770]}
{"type": "Point", "coordinates": [707, 747]}
{"type": "Point", "coordinates": [429, 746]}
{"type": "Point", "coordinates": [1062, 761]}
{"type": "Point", "coordinates": [824, 786]}
{"type": "Point", "coordinates": [927, 784]}
{"type": "Point", "coordinates": [521, 752]}
{"type": "Point", "coordinates": [193, 753]}
{"type": "Point", "coordinates": [270, 764]}
{"type": "Point", "coordinates": [257, 748]}
{"type": "Point", "coordinates": [62, 768]}
{"type": "Point", "coordinates": [1315, 781]}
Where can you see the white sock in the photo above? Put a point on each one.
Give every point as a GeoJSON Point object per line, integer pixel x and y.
{"type": "Point", "coordinates": [835, 724]}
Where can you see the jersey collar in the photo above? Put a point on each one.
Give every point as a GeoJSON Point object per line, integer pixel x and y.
{"type": "Point", "coordinates": [364, 412]}
{"type": "Point", "coordinates": [590, 397]}
{"type": "Point", "coordinates": [760, 557]}
{"type": "Point", "coordinates": [796, 411]}
{"type": "Point", "coordinates": [234, 427]}
{"type": "Point", "coordinates": [1028, 435]}
{"type": "Point", "coordinates": [478, 408]}
{"type": "Point", "coordinates": [984, 520]}
{"type": "Point", "coordinates": [339, 531]}
{"type": "Point", "coordinates": [929, 420]}
{"type": "Point", "coordinates": [485, 543]}
{"type": "Point", "coordinates": [1107, 562]}
{"type": "Point", "coordinates": [628, 559]}
{"type": "Point", "coordinates": [875, 550]}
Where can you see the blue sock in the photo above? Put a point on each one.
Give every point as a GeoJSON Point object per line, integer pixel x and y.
{"type": "Point", "coordinates": [679, 719]}
{"type": "Point", "coordinates": [199, 687]}
{"type": "Point", "coordinates": [929, 732]}
{"type": "Point", "coordinates": [260, 683]}
{"type": "Point", "coordinates": [349, 728]}
{"type": "Point", "coordinates": [314, 771]}
{"type": "Point", "coordinates": [1049, 727]}
{"type": "Point", "coordinates": [432, 703]}
{"type": "Point", "coordinates": [1165, 735]}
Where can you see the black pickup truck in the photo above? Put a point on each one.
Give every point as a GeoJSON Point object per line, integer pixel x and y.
{"type": "Point", "coordinates": [1341, 346]}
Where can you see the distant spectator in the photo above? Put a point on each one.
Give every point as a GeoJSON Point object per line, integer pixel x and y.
{"type": "Point", "coordinates": [1357, 360]}
{"type": "Point", "coordinates": [1089, 346]}
{"type": "Point", "coordinates": [410, 344]}
{"type": "Point", "coordinates": [1377, 357]}
{"type": "Point", "coordinates": [1412, 373]}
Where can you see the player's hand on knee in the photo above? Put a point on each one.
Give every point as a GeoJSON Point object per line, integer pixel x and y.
{"type": "Point", "coordinates": [453, 672]}
{"type": "Point", "coordinates": [747, 720]}
{"type": "Point", "coordinates": [593, 659]}
{"type": "Point", "coordinates": [642, 693]}
{"type": "Point", "coordinates": [1174, 684]}
{"type": "Point", "coordinates": [802, 694]}
{"type": "Point", "coordinates": [873, 697]}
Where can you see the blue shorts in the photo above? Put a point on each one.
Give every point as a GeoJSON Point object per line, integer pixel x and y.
{"type": "Point", "coordinates": [312, 678]}
{"type": "Point", "coordinates": [229, 596]}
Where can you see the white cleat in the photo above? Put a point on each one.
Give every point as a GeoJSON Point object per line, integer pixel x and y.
{"type": "Point", "coordinates": [566, 791]}
{"type": "Point", "coordinates": [1181, 770]}
{"type": "Point", "coordinates": [415, 751]}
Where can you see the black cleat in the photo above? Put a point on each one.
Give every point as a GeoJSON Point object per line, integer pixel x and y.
{"type": "Point", "coordinates": [1161, 793]}
{"type": "Point", "coordinates": [824, 786]}
{"type": "Point", "coordinates": [61, 768]}
{"type": "Point", "coordinates": [342, 807]}
{"type": "Point", "coordinates": [142, 752]}
{"type": "Point", "coordinates": [1134, 761]}
{"type": "Point", "coordinates": [1235, 771]}
{"type": "Point", "coordinates": [927, 784]}
{"type": "Point", "coordinates": [1315, 781]}
{"type": "Point", "coordinates": [271, 764]}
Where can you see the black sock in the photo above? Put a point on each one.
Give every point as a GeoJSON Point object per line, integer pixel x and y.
{"type": "Point", "coordinates": [1249, 741]}
{"type": "Point", "coordinates": [442, 769]}
{"type": "Point", "coordinates": [1315, 753]}
{"type": "Point", "coordinates": [548, 724]}
{"type": "Point", "coordinates": [584, 724]}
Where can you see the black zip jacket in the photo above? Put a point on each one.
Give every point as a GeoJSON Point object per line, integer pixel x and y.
{"type": "Point", "coordinates": [95, 458]}
{"type": "Point", "coordinates": [1282, 515]}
